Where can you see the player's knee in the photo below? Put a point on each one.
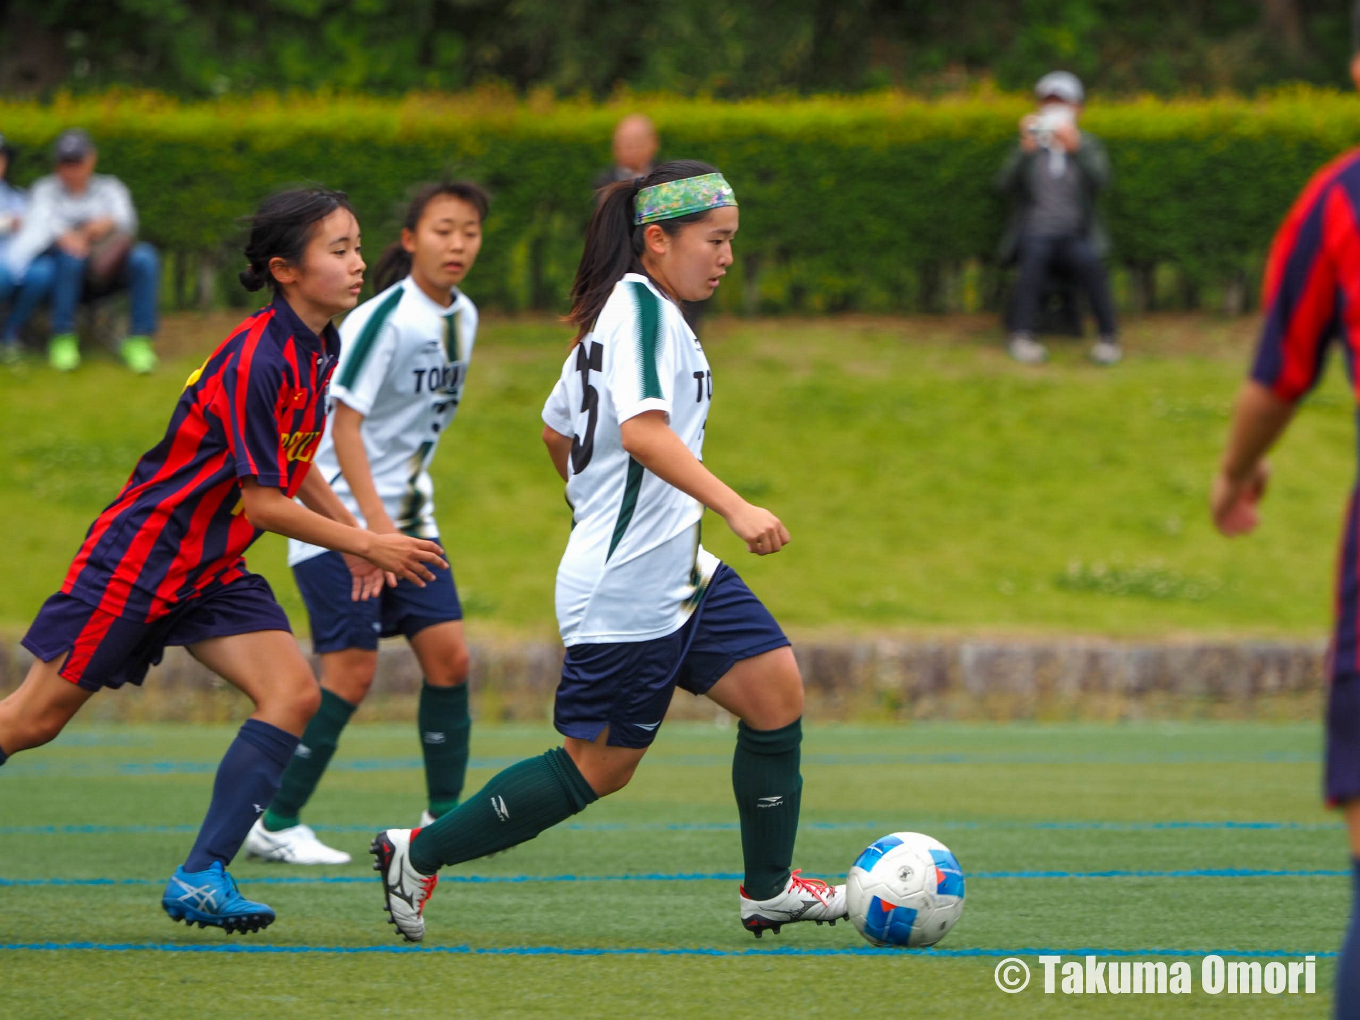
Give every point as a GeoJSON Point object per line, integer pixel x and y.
{"type": "Point", "coordinates": [451, 670]}
{"type": "Point", "coordinates": [294, 696]}
{"type": "Point", "coordinates": [33, 728]}
{"type": "Point", "coordinates": [612, 778]}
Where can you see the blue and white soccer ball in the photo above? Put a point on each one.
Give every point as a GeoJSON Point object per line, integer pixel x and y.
{"type": "Point", "coordinates": [905, 889]}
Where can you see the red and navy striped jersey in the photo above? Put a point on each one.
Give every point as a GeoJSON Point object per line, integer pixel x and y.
{"type": "Point", "coordinates": [1312, 298]}
{"type": "Point", "coordinates": [255, 409]}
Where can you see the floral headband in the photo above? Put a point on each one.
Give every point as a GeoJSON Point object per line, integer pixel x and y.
{"type": "Point", "coordinates": [682, 197]}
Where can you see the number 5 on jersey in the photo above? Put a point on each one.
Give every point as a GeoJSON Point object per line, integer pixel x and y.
{"type": "Point", "coordinates": [589, 358]}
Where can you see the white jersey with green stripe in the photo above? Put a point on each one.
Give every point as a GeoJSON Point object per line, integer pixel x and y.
{"type": "Point", "coordinates": [403, 360]}
{"type": "Point", "coordinates": [634, 569]}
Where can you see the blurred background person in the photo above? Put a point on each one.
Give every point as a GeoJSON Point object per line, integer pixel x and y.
{"type": "Point", "coordinates": [635, 148]}
{"type": "Point", "coordinates": [1053, 178]}
{"type": "Point", "coordinates": [79, 239]}
{"type": "Point", "coordinates": [13, 202]}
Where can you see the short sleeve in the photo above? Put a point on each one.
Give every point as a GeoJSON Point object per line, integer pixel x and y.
{"type": "Point", "coordinates": [365, 359]}
{"type": "Point", "coordinates": [253, 386]}
{"type": "Point", "coordinates": [640, 367]}
{"type": "Point", "coordinates": [557, 411]}
{"type": "Point", "coordinates": [1299, 293]}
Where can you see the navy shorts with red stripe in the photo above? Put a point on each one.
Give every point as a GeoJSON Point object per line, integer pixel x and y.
{"type": "Point", "coordinates": [627, 686]}
{"type": "Point", "coordinates": [339, 623]}
{"type": "Point", "coordinates": [109, 650]}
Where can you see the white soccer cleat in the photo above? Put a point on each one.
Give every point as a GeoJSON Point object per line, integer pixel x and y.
{"type": "Point", "coordinates": [803, 899]}
{"type": "Point", "coordinates": [405, 890]}
{"type": "Point", "coordinates": [426, 819]}
{"type": "Point", "coordinates": [295, 845]}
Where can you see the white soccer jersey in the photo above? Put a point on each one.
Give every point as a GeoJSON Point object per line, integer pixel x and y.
{"type": "Point", "coordinates": [402, 365]}
{"type": "Point", "coordinates": [634, 569]}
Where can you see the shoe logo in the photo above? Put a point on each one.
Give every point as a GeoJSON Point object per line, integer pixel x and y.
{"type": "Point", "coordinates": [377, 626]}
{"type": "Point", "coordinates": [303, 751]}
{"type": "Point", "coordinates": [502, 812]}
{"type": "Point", "coordinates": [765, 802]}
{"type": "Point", "coordinates": [433, 738]}
{"type": "Point", "coordinates": [258, 809]}
{"type": "Point", "coordinates": [200, 897]}
{"type": "Point", "coordinates": [648, 726]}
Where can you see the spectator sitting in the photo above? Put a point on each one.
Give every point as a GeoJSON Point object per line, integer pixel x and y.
{"type": "Point", "coordinates": [12, 205]}
{"type": "Point", "coordinates": [1053, 177]}
{"type": "Point", "coordinates": [635, 145]}
{"type": "Point", "coordinates": [79, 238]}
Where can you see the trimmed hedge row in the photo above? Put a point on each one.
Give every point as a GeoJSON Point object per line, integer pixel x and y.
{"type": "Point", "coordinates": [857, 203]}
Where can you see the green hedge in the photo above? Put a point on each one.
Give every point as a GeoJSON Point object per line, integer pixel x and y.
{"type": "Point", "coordinates": [874, 203]}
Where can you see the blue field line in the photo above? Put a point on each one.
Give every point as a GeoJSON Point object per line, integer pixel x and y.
{"type": "Point", "coordinates": [796, 951]}
{"type": "Point", "coordinates": [933, 825]}
{"type": "Point", "coordinates": [696, 876]}
{"type": "Point", "coordinates": [161, 768]}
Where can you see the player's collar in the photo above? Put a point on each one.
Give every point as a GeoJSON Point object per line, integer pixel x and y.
{"type": "Point", "coordinates": [411, 287]}
{"type": "Point", "coordinates": [327, 343]}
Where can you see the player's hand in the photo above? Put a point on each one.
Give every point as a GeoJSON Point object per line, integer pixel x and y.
{"type": "Point", "coordinates": [1234, 502]}
{"type": "Point", "coordinates": [406, 557]}
{"type": "Point", "coordinates": [367, 579]}
{"type": "Point", "coordinates": [759, 529]}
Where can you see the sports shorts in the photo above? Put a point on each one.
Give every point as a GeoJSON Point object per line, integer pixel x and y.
{"type": "Point", "coordinates": [1343, 740]}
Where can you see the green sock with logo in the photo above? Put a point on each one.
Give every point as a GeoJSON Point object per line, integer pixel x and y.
{"type": "Point", "coordinates": [515, 806]}
{"type": "Point", "coordinates": [309, 761]}
{"type": "Point", "coordinates": [444, 726]}
{"type": "Point", "coordinates": [769, 790]}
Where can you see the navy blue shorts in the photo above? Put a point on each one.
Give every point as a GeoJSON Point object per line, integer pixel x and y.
{"type": "Point", "coordinates": [339, 623]}
{"type": "Point", "coordinates": [1343, 740]}
{"type": "Point", "coordinates": [627, 686]}
{"type": "Point", "coordinates": [109, 650]}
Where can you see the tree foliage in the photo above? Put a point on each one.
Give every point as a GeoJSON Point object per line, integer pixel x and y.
{"type": "Point", "coordinates": [724, 48]}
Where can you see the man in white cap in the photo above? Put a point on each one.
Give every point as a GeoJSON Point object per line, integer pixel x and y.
{"type": "Point", "coordinates": [1053, 178]}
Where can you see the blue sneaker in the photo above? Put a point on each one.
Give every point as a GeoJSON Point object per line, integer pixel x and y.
{"type": "Point", "coordinates": [211, 898]}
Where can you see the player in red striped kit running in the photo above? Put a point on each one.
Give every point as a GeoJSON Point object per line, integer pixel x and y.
{"type": "Point", "coordinates": [162, 565]}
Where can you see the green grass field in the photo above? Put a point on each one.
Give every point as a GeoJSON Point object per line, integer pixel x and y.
{"type": "Point", "coordinates": [630, 909]}
{"type": "Point", "coordinates": [928, 481]}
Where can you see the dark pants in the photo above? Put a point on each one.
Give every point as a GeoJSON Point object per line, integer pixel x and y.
{"type": "Point", "coordinates": [64, 277]}
{"type": "Point", "coordinates": [1039, 255]}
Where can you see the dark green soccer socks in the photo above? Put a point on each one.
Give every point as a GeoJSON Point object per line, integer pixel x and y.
{"type": "Point", "coordinates": [309, 761]}
{"type": "Point", "coordinates": [516, 805]}
{"type": "Point", "coordinates": [769, 790]}
{"type": "Point", "coordinates": [444, 725]}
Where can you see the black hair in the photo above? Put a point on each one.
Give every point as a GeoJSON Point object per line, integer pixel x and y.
{"type": "Point", "coordinates": [281, 228]}
{"type": "Point", "coordinates": [395, 261]}
{"type": "Point", "coordinates": [614, 245]}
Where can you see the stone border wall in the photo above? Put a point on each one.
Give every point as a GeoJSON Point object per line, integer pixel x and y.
{"type": "Point", "coordinates": [962, 679]}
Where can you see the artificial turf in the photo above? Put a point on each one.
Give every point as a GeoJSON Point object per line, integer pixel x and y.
{"type": "Point", "coordinates": [1146, 840]}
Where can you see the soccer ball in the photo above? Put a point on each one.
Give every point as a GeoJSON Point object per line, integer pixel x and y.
{"type": "Point", "coordinates": [905, 889]}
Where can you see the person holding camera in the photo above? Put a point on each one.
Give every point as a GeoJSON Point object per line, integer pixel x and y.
{"type": "Point", "coordinates": [79, 238]}
{"type": "Point", "coordinates": [1053, 178]}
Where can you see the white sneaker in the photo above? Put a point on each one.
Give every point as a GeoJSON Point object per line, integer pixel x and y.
{"type": "Point", "coordinates": [1026, 350]}
{"type": "Point", "coordinates": [803, 899]}
{"type": "Point", "coordinates": [1106, 351]}
{"type": "Point", "coordinates": [426, 819]}
{"type": "Point", "coordinates": [295, 845]}
{"type": "Point", "coordinates": [405, 890]}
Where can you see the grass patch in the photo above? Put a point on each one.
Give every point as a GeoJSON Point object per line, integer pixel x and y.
{"type": "Point", "coordinates": [121, 804]}
{"type": "Point", "coordinates": [929, 483]}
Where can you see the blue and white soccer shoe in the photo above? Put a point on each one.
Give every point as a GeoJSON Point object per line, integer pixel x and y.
{"type": "Point", "coordinates": [802, 899]}
{"type": "Point", "coordinates": [210, 898]}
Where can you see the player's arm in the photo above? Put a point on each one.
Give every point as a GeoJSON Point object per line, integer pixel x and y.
{"type": "Point", "coordinates": [1300, 304]}
{"type": "Point", "coordinates": [268, 509]}
{"type": "Point", "coordinates": [653, 444]}
{"type": "Point", "coordinates": [346, 434]}
{"type": "Point", "coordinates": [559, 449]}
{"type": "Point", "coordinates": [1258, 420]}
{"type": "Point", "coordinates": [319, 497]}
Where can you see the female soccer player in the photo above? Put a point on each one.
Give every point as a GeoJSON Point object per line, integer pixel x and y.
{"type": "Point", "coordinates": [641, 606]}
{"type": "Point", "coordinates": [398, 385]}
{"type": "Point", "coordinates": [162, 565]}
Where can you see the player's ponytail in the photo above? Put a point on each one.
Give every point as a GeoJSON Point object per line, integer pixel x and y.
{"type": "Point", "coordinates": [395, 262]}
{"type": "Point", "coordinates": [281, 228]}
{"type": "Point", "coordinates": [614, 244]}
